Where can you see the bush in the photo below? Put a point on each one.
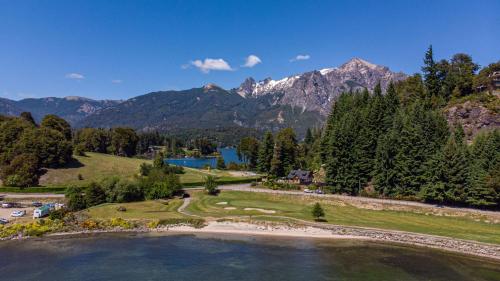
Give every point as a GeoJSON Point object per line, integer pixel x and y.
{"type": "Point", "coordinates": [220, 163]}
{"type": "Point", "coordinates": [58, 214]}
{"type": "Point", "coordinates": [89, 224]}
{"type": "Point", "coordinates": [164, 189]}
{"type": "Point", "coordinates": [75, 198]}
{"type": "Point", "coordinates": [317, 212]}
{"type": "Point", "coordinates": [210, 185]}
{"type": "Point", "coordinates": [196, 223]}
{"type": "Point", "coordinates": [145, 169]}
{"type": "Point", "coordinates": [23, 171]}
{"type": "Point", "coordinates": [121, 223]}
{"type": "Point", "coordinates": [94, 195]}
{"type": "Point", "coordinates": [79, 150]}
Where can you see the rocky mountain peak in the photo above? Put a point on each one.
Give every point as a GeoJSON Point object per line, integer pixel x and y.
{"type": "Point", "coordinates": [212, 87]}
{"type": "Point", "coordinates": [246, 87]}
{"type": "Point", "coordinates": [316, 90]}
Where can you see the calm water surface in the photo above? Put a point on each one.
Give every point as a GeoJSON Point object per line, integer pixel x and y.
{"type": "Point", "coordinates": [229, 155]}
{"type": "Point", "coordinates": [187, 257]}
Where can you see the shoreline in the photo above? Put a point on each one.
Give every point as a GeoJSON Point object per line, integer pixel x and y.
{"type": "Point", "coordinates": [457, 246]}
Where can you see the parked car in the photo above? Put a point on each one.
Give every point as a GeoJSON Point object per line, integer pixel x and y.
{"type": "Point", "coordinates": [319, 191]}
{"type": "Point", "coordinates": [4, 221]}
{"type": "Point", "coordinates": [17, 214]}
{"type": "Point", "coordinates": [37, 204]}
{"type": "Point", "coordinates": [307, 190]}
{"type": "Point", "coordinates": [7, 205]}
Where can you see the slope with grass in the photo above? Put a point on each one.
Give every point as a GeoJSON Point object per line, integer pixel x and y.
{"type": "Point", "coordinates": [259, 206]}
{"type": "Point", "coordinates": [146, 210]}
{"type": "Point", "coordinates": [97, 166]}
{"type": "Point", "coordinates": [92, 167]}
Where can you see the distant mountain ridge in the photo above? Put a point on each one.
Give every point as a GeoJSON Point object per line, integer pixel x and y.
{"type": "Point", "coordinates": [71, 108]}
{"type": "Point", "coordinates": [316, 90]}
{"type": "Point", "coordinates": [298, 101]}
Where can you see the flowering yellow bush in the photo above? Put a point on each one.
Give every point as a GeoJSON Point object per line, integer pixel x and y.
{"type": "Point", "coordinates": [90, 224]}
{"type": "Point", "coordinates": [119, 222]}
{"type": "Point", "coordinates": [153, 224]}
{"type": "Point", "coordinates": [35, 228]}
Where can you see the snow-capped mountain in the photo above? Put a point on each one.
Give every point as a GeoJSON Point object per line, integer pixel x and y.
{"type": "Point", "coordinates": [316, 90]}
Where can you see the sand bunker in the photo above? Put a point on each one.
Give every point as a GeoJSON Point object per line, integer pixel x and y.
{"type": "Point", "coordinates": [260, 210]}
{"type": "Point", "coordinates": [221, 203]}
{"type": "Point", "coordinates": [229, 208]}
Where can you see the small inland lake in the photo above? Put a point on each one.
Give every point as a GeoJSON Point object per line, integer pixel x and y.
{"type": "Point", "coordinates": [228, 154]}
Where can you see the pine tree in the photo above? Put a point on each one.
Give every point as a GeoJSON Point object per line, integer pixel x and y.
{"type": "Point", "coordinates": [484, 180]}
{"type": "Point", "coordinates": [430, 74]}
{"type": "Point", "coordinates": [266, 153]}
{"type": "Point", "coordinates": [309, 137]}
{"type": "Point", "coordinates": [317, 212]}
{"type": "Point", "coordinates": [220, 163]}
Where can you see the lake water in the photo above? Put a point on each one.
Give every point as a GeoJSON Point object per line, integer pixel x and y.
{"type": "Point", "coordinates": [229, 155]}
{"type": "Point", "coordinates": [187, 257]}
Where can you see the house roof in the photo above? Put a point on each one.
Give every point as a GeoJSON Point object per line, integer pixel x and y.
{"type": "Point", "coordinates": [301, 174]}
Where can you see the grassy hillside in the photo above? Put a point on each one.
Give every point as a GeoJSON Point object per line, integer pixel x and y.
{"type": "Point", "coordinates": [92, 167]}
{"type": "Point", "coordinates": [96, 166]}
{"type": "Point", "coordinates": [280, 207]}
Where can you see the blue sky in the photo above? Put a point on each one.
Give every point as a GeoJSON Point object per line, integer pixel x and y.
{"type": "Point", "coordinates": [121, 49]}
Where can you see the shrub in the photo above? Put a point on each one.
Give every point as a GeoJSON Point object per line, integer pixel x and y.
{"type": "Point", "coordinates": [164, 189]}
{"type": "Point", "coordinates": [94, 195]}
{"type": "Point", "coordinates": [145, 169]}
{"type": "Point", "coordinates": [23, 171]}
{"type": "Point", "coordinates": [153, 224]}
{"type": "Point", "coordinates": [194, 222]}
{"type": "Point", "coordinates": [79, 150]}
{"type": "Point", "coordinates": [89, 224]}
{"type": "Point", "coordinates": [119, 222]}
{"type": "Point", "coordinates": [75, 198]}
{"type": "Point", "coordinates": [57, 214]}
{"type": "Point", "coordinates": [318, 212]}
{"type": "Point", "coordinates": [210, 185]}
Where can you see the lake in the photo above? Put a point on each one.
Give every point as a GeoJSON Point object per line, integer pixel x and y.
{"type": "Point", "coordinates": [229, 155]}
{"type": "Point", "coordinates": [205, 257]}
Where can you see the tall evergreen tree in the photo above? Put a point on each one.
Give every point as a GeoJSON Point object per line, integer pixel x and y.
{"type": "Point", "coordinates": [266, 153]}
{"type": "Point", "coordinates": [285, 153]}
{"type": "Point", "coordinates": [430, 73]}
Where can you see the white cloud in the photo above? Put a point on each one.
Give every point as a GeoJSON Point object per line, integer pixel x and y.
{"type": "Point", "coordinates": [211, 64]}
{"type": "Point", "coordinates": [251, 61]}
{"type": "Point", "coordinates": [76, 76]}
{"type": "Point", "coordinates": [116, 81]}
{"type": "Point", "coordinates": [300, 57]}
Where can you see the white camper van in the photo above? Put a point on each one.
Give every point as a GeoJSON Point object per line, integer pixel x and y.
{"type": "Point", "coordinates": [41, 212]}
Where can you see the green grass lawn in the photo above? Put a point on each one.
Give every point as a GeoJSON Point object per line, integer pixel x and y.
{"type": "Point", "coordinates": [92, 167]}
{"type": "Point", "coordinates": [97, 166]}
{"type": "Point", "coordinates": [343, 214]}
{"type": "Point", "coordinates": [146, 210]}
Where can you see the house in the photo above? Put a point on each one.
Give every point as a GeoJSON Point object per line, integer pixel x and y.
{"type": "Point", "coordinates": [300, 177]}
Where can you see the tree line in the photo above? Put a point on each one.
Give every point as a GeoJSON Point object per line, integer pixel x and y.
{"type": "Point", "coordinates": [397, 144]}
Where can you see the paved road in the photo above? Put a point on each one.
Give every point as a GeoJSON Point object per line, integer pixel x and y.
{"type": "Point", "coordinates": [248, 188]}
{"type": "Point", "coordinates": [30, 195]}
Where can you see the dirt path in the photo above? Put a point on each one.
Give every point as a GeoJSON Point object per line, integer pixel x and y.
{"type": "Point", "coordinates": [182, 208]}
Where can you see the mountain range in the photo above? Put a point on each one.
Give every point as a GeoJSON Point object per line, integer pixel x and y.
{"type": "Point", "coordinates": [299, 101]}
